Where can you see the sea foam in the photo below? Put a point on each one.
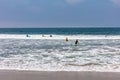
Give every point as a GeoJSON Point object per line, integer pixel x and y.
{"type": "Point", "coordinates": [39, 36]}
{"type": "Point", "coordinates": [59, 55]}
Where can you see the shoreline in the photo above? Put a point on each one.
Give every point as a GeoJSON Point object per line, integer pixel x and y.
{"type": "Point", "coordinates": [23, 70]}
{"type": "Point", "coordinates": [57, 75]}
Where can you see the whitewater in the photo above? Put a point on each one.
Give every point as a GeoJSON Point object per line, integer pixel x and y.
{"type": "Point", "coordinates": [71, 37]}
{"type": "Point", "coordinates": [93, 53]}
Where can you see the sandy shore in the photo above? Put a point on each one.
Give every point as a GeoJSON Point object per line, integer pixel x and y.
{"type": "Point", "coordinates": [62, 75]}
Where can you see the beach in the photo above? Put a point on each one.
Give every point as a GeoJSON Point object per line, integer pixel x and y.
{"type": "Point", "coordinates": [57, 75]}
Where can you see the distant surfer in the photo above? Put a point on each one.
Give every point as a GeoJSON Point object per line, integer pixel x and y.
{"type": "Point", "coordinates": [27, 35]}
{"type": "Point", "coordinates": [43, 36]}
{"type": "Point", "coordinates": [76, 42]}
{"type": "Point", "coordinates": [50, 35]}
{"type": "Point", "coordinates": [67, 39]}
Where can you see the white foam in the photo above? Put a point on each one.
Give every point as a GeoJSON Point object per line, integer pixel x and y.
{"type": "Point", "coordinates": [56, 55]}
{"type": "Point", "coordinates": [39, 36]}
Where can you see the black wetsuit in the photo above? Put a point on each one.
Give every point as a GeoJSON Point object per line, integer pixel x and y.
{"type": "Point", "coordinates": [76, 42]}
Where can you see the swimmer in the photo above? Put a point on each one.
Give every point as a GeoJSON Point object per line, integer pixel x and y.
{"type": "Point", "coordinates": [27, 35]}
{"type": "Point", "coordinates": [76, 42]}
{"type": "Point", "coordinates": [43, 36]}
{"type": "Point", "coordinates": [50, 35]}
{"type": "Point", "coordinates": [67, 39]}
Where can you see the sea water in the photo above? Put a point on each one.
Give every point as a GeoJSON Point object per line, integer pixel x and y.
{"type": "Point", "coordinates": [98, 49]}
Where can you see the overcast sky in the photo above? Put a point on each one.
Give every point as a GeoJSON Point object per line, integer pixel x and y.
{"type": "Point", "coordinates": [59, 13]}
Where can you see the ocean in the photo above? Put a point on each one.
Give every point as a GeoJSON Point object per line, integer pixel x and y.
{"type": "Point", "coordinates": [62, 31]}
{"type": "Point", "coordinates": [98, 49]}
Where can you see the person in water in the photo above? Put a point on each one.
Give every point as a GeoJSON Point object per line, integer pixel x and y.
{"type": "Point", "coordinates": [27, 35]}
{"type": "Point", "coordinates": [76, 42]}
{"type": "Point", "coordinates": [67, 39]}
{"type": "Point", "coordinates": [50, 35]}
{"type": "Point", "coordinates": [43, 35]}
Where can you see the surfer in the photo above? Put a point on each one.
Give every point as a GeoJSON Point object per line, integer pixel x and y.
{"type": "Point", "coordinates": [67, 39]}
{"type": "Point", "coordinates": [50, 35]}
{"type": "Point", "coordinates": [76, 42]}
{"type": "Point", "coordinates": [43, 36]}
{"type": "Point", "coordinates": [27, 35]}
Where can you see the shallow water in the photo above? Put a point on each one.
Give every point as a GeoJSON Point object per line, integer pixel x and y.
{"type": "Point", "coordinates": [56, 54]}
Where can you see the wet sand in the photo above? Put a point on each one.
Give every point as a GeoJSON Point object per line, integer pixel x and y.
{"type": "Point", "coordinates": [57, 75]}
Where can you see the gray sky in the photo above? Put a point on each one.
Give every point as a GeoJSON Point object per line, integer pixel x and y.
{"type": "Point", "coordinates": [59, 13]}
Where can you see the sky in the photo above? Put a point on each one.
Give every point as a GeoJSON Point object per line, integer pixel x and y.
{"type": "Point", "coordinates": [59, 13]}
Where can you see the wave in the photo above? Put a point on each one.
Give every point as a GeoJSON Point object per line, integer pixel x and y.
{"type": "Point", "coordinates": [28, 54]}
{"type": "Point", "coordinates": [86, 64]}
{"type": "Point", "coordinates": [22, 36]}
